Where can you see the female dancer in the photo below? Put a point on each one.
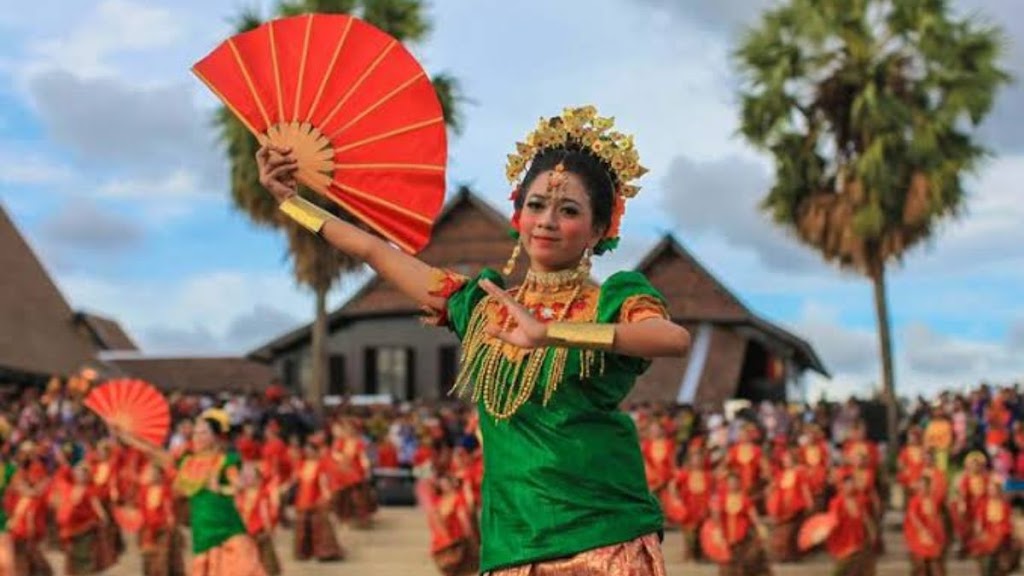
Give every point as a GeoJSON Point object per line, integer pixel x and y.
{"type": "Point", "coordinates": [208, 475]}
{"type": "Point", "coordinates": [547, 363]}
{"type": "Point", "coordinates": [84, 525]}
{"type": "Point", "coordinates": [7, 470]}
{"type": "Point", "coordinates": [160, 539]}
{"type": "Point", "coordinates": [314, 531]}
{"type": "Point", "coordinates": [25, 500]}
{"type": "Point", "coordinates": [257, 504]}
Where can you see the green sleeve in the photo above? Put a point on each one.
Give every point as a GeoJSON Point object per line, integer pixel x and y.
{"type": "Point", "coordinates": [462, 302]}
{"type": "Point", "coordinates": [10, 468]}
{"type": "Point", "coordinates": [614, 292]}
{"type": "Point", "coordinates": [231, 460]}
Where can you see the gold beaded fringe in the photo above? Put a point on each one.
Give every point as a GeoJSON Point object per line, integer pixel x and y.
{"type": "Point", "coordinates": [505, 384]}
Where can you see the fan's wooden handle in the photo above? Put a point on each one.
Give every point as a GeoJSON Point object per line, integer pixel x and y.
{"type": "Point", "coordinates": [313, 152]}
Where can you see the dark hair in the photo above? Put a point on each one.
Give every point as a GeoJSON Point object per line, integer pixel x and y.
{"type": "Point", "coordinates": [596, 176]}
{"type": "Point", "coordinates": [216, 426]}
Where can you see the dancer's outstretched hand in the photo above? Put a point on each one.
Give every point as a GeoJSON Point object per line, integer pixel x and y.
{"type": "Point", "coordinates": [527, 332]}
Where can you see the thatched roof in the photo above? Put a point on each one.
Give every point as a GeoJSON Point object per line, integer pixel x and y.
{"type": "Point", "coordinates": [695, 295]}
{"type": "Point", "coordinates": [38, 332]}
{"type": "Point", "coordinates": [193, 374]}
{"type": "Point", "coordinates": [106, 333]}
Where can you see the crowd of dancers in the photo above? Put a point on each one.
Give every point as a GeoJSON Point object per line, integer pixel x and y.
{"type": "Point", "coordinates": [760, 478]}
{"type": "Point", "coordinates": [71, 483]}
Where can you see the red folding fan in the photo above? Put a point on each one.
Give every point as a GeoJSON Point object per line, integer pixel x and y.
{"type": "Point", "coordinates": [134, 406]}
{"type": "Point", "coordinates": [358, 111]}
{"type": "Point", "coordinates": [129, 518]}
{"type": "Point", "coordinates": [712, 542]}
{"type": "Point", "coordinates": [816, 530]}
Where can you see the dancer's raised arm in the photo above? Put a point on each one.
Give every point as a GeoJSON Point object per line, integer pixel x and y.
{"type": "Point", "coordinates": [411, 275]}
{"type": "Point", "coordinates": [157, 455]}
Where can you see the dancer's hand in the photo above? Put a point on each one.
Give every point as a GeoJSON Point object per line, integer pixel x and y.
{"type": "Point", "coordinates": [277, 169]}
{"type": "Point", "coordinates": [527, 332]}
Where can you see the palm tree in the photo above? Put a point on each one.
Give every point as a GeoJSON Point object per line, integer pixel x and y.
{"type": "Point", "coordinates": [315, 264]}
{"type": "Point", "coordinates": [867, 108]}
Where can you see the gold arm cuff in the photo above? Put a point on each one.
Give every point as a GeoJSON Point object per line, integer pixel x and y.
{"type": "Point", "coordinates": [305, 213]}
{"type": "Point", "coordinates": [586, 335]}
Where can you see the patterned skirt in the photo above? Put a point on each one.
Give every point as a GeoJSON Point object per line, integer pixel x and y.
{"type": "Point", "coordinates": [235, 557]}
{"type": "Point", "coordinates": [90, 552]}
{"type": "Point", "coordinates": [181, 512]}
{"type": "Point", "coordinates": [6, 555]}
{"type": "Point", "coordinates": [692, 551]}
{"type": "Point", "coordinates": [53, 539]}
{"type": "Point", "coordinates": [268, 554]}
{"type": "Point", "coordinates": [459, 559]}
{"type": "Point", "coordinates": [927, 567]}
{"type": "Point", "coordinates": [29, 559]}
{"type": "Point", "coordinates": [163, 553]}
{"type": "Point", "coordinates": [639, 557]}
{"type": "Point", "coordinates": [111, 533]}
{"type": "Point", "coordinates": [314, 536]}
{"type": "Point", "coordinates": [357, 502]}
{"type": "Point", "coordinates": [749, 558]}
{"type": "Point", "coordinates": [862, 563]}
{"type": "Point", "coordinates": [781, 543]}
{"type": "Point", "coordinates": [1005, 561]}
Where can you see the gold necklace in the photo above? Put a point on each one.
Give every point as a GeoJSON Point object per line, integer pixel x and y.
{"type": "Point", "coordinates": [552, 281]}
{"type": "Point", "coordinates": [505, 382]}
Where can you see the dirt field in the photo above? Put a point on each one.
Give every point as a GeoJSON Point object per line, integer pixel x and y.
{"type": "Point", "coordinates": [397, 546]}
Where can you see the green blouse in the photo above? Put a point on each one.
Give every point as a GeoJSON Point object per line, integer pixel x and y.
{"type": "Point", "coordinates": [567, 477]}
{"type": "Point", "coordinates": [7, 471]}
{"type": "Point", "coordinates": [213, 517]}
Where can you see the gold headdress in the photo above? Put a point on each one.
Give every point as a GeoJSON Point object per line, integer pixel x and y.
{"type": "Point", "coordinates": [582, 129]}
{"type": "Point", "coordinates": [974, 456]}
{"type": "Point", "coordinates": [219, 416]}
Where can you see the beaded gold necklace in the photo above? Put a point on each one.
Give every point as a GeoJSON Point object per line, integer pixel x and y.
{"type": "Point", "coordinates": [196, 471]}
{"type": "Point", "coordinates": [499, 373]}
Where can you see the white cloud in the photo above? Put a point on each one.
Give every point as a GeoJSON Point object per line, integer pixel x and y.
{"type": "Point", "coordinates": [81, 225]}
{"type": "Point", "coordinates": [722, 197]}
{"type": "Point", "coordinates": [20, 168]}
{"type": "Point", "coordinates": [117, 126]}
{"type": "Point", "coordinates": [160, 199]}
{"type": "Point", "coordinates": [1015, 335]}
{"type": "Point", "coordinates": [180, 184]}
{"type": "Point", "coordinates": [989, 232]}
{"type": "Point", "coordinates": [925, 360]}
{"type": "Point", "coordinates": [843, 350]}
{"type": "Point", "coordinates": [114, 26]}
{"type": "Point", "coordinates": [725, 17]}
{"type": "Point", "coordinates": [226, 311]}
{"type": "Point", "coordinates": [940, 356]}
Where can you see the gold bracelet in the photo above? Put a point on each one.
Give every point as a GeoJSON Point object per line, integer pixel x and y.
{"type": "Point", "coordinates": [586, 335]}
{"type": "Point", "coordinates": [306, 214]}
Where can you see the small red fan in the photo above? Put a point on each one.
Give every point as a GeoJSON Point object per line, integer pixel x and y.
{"type": "Point", "coordinates": [713, 543]}
{"type": "Point", "coordinates": [129, 518]}
{"type": "Point", "coordinates": [133, 406]}
{"type": "Point", "coordinates": [358, 111]}
{"type": "Point", "coordinates": [816, 530]}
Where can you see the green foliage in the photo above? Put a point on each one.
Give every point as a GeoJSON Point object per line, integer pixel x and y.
{"type": "Point", "coordinates": [867, 108]}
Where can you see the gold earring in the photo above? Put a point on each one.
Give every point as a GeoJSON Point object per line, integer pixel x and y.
{"type": "Point", "coordinates": [584, 266]}
{"type": "Point", "coordinates": [510, 266]}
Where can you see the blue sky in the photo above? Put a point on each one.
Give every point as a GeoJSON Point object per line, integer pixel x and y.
{"type": "Point", "coordinates": [109, 167]}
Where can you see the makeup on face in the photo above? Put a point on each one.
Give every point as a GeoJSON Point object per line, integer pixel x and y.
{"type": "Point", "coordinates": [556, 223]}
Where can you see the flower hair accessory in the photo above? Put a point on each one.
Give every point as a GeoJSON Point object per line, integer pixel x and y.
{"type": "Point", "coordinates": [583, 130]}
